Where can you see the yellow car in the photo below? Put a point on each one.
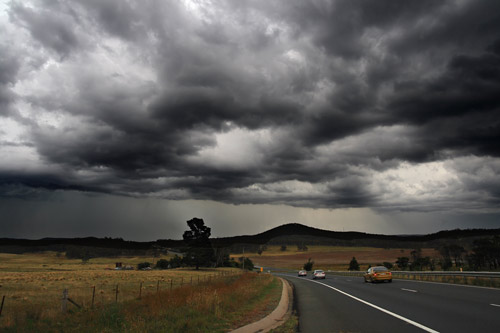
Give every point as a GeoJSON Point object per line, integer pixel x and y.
{"type": "Point", "coordinates": [378, 273]}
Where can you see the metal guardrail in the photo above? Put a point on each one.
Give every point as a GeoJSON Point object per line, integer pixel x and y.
{"type": "Point", "coordinates": [425, 273]}
{"type": "Point", "coordinates": [487, 279]}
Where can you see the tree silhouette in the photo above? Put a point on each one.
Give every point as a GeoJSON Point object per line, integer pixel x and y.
{"type": "Point", "coordinates": [200, 251]}
{"type": "Point", "coordinates": [353, 265]}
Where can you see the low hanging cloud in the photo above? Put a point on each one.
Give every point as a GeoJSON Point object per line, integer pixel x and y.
{"type": "Point", "coordinates": [322, 104]}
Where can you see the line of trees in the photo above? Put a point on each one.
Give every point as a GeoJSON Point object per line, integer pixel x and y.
{"type": "Point", "coordinates": [484, 255]}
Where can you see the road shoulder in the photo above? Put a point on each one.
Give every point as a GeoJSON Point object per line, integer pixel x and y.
{"type": "Point", "coordinates": [276, 318]}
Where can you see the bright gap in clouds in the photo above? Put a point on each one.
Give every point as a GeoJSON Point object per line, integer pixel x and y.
{"type": "Point", "coordinates": [237, 148]}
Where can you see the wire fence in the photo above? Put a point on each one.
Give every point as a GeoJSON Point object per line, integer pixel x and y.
{"type": "Point", "coordinates": [36, 302]}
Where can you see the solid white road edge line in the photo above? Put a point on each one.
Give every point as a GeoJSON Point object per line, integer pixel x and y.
{"type": "Point", "coordinates": [495, 305]}
{"type": "Point", "coordinates": [409, 321]}
{"type": "Point", "coordinates": [410, 290]}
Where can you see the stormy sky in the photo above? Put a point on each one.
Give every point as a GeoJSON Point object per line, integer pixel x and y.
{"type": "Point", "coordinates": [127, 118]}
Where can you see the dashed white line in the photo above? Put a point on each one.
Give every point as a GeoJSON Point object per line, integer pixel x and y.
{"type": "Point", "coordinates": [409, 321]}
{"type": "Point", "coordinates": [410, 290]}
{"type": "Point", "coordinates": [495, 305]}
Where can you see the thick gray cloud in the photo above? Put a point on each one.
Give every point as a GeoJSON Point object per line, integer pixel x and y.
{"type": "Point", "coordinates": [322, 104]}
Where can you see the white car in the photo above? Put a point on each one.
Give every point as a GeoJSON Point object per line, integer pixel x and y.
{"type": "Point", "coordinates": [302, 273]}
{"type": "Point", "coordinates": [319, 274]}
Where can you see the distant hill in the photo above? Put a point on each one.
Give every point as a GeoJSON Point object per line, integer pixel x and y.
{"type": "Point", "coordinates": [287, 234]}
{"type": "Point", "coordinates": [295, 233]}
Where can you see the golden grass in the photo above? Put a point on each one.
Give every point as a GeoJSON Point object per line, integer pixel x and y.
{"type": "Point", "coordinates": [33, 283]}
{"type": "Point", "coordinates": [212, 306]}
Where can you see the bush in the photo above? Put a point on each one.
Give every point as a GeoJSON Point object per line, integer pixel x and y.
{"type": "Point", "coordinates": [143, 265]}
{"type": "Point", "coordinates": [403, 262]}
{"type": "Point", "coordinates": [249, 264]}
{"type": "Point", "coordinates": [353, 265]}
{"type": "Point", "coordinates": [162, 264]}
{"type": "Point", "coordinates": [388, 265]}
{"type": "Point", "coordinates": [309, 265]}
{"type": "Point", "coordinates": [283, 248]}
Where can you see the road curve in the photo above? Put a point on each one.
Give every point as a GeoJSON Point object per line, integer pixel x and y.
{"type": "Point", "coordinates": [347, 304]}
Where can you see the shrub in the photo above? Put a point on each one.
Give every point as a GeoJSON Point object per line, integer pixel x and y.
{"type": "Point", "coordinates": [143, 265]}
{"type": "Point", "coordinates": [283, 248]}
{"type": "Point", "coordinates": [403, 262]}
{"type": "Point", "coordinates": [353, 265]}
{"type": "Point", "coordinates": [162, 264]}
{"type": "Point", "coordinates": [388, 265]}
{"type": "Point", "coordinates": [309, 265]}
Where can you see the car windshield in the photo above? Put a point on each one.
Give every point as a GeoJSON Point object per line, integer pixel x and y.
{"type": "Point", "coordinates": [319, 271]}
{"type": "Point", "coordinates": [380, 269]}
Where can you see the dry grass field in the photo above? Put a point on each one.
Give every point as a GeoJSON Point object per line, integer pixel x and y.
{"type": "Point", "coordinates": [33, 283]}
{"type": "Point", "coordinates": [330, 257]}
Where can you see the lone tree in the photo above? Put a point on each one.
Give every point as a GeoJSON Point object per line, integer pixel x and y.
{"type": "Point", "coordinates": [309, 265]}
{"type": "Point", "coordinates": [353, 265]}
{"type": "Point", "coordinates": [200, 251]}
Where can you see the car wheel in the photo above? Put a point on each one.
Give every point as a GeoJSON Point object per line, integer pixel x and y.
{"type": "Point", "coordinates": [365, 280]}
{"type": "Point", "coordinates": [372, 280]}
{"type": "Point", "coordinates": [390, 280]}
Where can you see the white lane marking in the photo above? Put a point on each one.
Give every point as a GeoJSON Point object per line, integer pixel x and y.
{"type": "Point", "coordinates": [410, 290]}
{"type": "Point", "coordinates": [495, 305]}
{"type": "Point", "coordinates": [409, 321]}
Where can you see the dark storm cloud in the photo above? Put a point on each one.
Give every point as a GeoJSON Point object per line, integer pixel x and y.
{"type": "Point", "coordinates": [51, 27]}
{"type": "Point", "coordinates": [9, 67]}
{"type": "Point", "coordinates": [148, 98]}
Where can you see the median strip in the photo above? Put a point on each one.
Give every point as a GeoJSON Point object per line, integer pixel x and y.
{"type": "Point", "coordinates": [409, 321]}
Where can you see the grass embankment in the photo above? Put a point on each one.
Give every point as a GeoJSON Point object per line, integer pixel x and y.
{"type": "Point", "coordinates": [212, 306]}
{"type": "Point", "coordinates": [330, 257]}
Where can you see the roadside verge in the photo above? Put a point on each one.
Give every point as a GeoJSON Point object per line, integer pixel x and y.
{"type": "Point", "coordinates": [276, 318]}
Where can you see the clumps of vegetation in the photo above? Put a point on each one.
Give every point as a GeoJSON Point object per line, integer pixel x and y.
{"type": "Point", "coordinates": [387, 264]}
{"type": "Point", "coordinates": [144, 265]}
{"type": "Point", "coordinates": [353, 265]}
{"type": "Point", "coordinates": [302, 247]}
{"type": "Point", "coordinates": [283, 248]}
{"type": "Point", "coordinates": [403, 263]}
{"type": "Point", "coordinates": [308, 266]}
{"type": "Point", "coordinates": [246, 263]}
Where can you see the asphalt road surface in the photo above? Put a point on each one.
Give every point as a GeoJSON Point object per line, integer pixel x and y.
{"type": "Point", "coordinates": [347, 304]}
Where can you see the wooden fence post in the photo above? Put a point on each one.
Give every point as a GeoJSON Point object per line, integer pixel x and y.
{"type": "Point", "coordinates": [1, 306]}
{"type": "Point", "coordinates": [116, 296]}
{"type": "Point", "coordinates": [93, 295]}
{"type": "Point", "coordinates": [158, 286]}
{"type": "Point", "coordinates": [64, 304]}
{"type": "Point", "coordinates": [140, 291]}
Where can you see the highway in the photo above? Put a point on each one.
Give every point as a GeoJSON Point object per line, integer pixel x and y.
{"type": "Point", "coordinates": [347, 304]}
